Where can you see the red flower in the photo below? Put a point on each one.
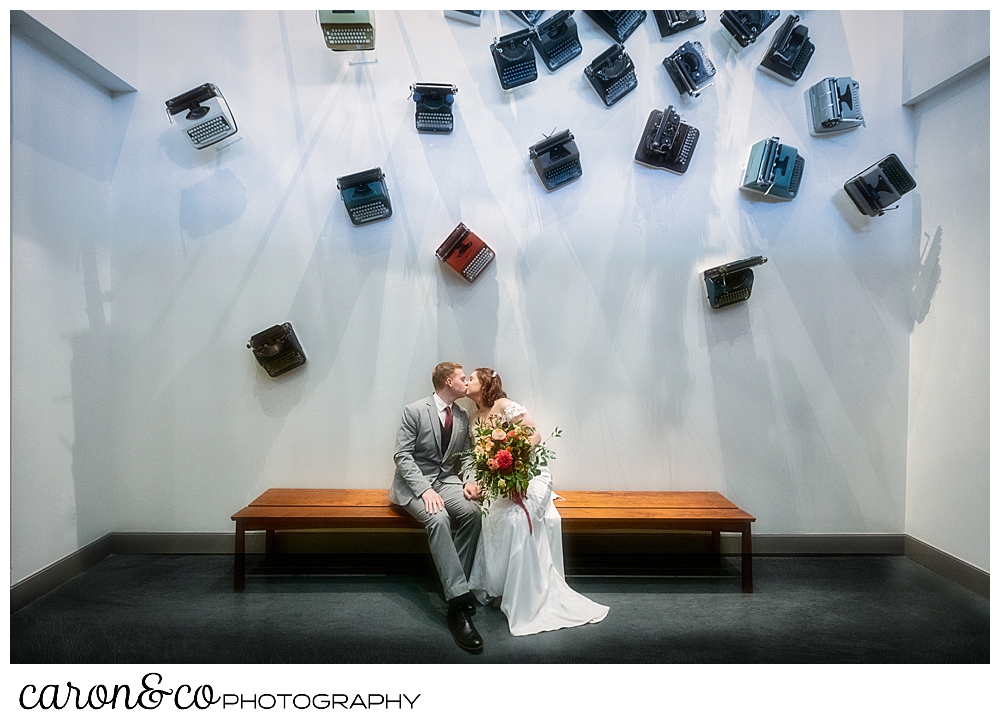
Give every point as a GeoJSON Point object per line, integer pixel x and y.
{"type": "Point", "coordinates": [504, 460]}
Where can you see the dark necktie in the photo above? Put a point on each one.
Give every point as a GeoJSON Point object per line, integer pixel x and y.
{"type": "Point", "coordinates": [446, 429]}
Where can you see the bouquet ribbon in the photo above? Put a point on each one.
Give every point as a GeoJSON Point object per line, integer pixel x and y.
{"type": "Point", "coordinates": [519, 499]}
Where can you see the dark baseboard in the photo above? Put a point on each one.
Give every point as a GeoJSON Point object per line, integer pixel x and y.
{"type": "Point", "coordinates": [887, 544]}
{"type": "Point", "coordinates": [954, 569]}
{"type": "Point", "coordinates": [38, 584]}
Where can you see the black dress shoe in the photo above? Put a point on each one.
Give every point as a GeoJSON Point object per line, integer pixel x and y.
{"type": "Point", "coordinates": [460, 625]}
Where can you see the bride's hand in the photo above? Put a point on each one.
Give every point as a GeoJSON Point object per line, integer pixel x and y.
{"type": "Point", "coordinates": [471, 491]}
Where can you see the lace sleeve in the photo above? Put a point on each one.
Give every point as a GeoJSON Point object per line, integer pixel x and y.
{"type": "Point", "coordinates": [513, 410]}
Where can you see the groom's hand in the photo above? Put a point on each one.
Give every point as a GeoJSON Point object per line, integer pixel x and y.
{"type": "Point", "coordinates": [433, 502]}
{"type": "Point", "coordinates": [471, 491]}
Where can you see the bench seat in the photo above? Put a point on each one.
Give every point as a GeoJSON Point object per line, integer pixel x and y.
{"type": "Point", "coordinates": [581, 510]}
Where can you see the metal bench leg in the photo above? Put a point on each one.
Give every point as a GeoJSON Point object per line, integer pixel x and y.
{"type": "Point", "coordinates": [268, 542]}
{"type": "Point", "coordinates": [747, 562]}
{"type": "Point", "coordinates": [239, 559]}
{"type": "Point", "coordinates": [716, 543]}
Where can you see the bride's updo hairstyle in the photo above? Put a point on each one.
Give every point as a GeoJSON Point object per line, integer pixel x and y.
{"type": "Point", "coordinates": [492, 387]}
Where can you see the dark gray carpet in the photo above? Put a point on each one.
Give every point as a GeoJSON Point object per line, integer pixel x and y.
{"type": "Point", "coordinates": [181, 609]}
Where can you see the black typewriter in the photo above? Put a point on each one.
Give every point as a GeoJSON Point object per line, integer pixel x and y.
{"type": "Point", "coordinates": [557, 40]}
{"type": "Point", "coordinates": [365, 195]}
{"type": "Point", "coordinates": [612, 74]}
{"type": "Point", "coordinates": [732, 282]}
{"type": "Point", "coordinates": [277, 349]}
{"type": "Point", "coordinates": [671, 22]}
{"type": "Point", "coordinates": [690, 69]}
{"type": "Point", "coordinates": [556, 160]}
{"type": "Point", "coordinates": [619, 24]}
{"type": "Point", "coordinates": [876, 187]}
{"type": "Point", "coordinates": [667, 142]}
{"type": "Point", "coordinates": [514, 57]}
{"type": "Point", "coordinates": [743, 27]}
{"type": "Point", "coordinates": [434, 101]}
{"type": "Point", "coordinates": [789, 52]}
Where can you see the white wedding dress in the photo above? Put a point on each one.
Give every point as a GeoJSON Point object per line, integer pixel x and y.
{"type": "Point", "coordinates": [525, 570]}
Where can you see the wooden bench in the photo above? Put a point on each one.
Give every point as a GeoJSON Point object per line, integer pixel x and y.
{"type": "Point", "coordinates": [581, 510]}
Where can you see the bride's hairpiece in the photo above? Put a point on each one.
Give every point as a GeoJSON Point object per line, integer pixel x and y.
{"type": "Point", "coordinates": [494, 373]}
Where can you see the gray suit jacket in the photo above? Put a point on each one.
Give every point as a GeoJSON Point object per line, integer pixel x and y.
{"type": "Point", "coordinates": [420, 461]}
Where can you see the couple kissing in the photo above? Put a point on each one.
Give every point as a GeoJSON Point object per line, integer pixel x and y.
{"type": "Point", "coordinates": [495, 558]}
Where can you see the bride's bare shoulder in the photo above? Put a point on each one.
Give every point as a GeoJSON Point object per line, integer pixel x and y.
{"type": "Point", "coordinates": [500, 406]}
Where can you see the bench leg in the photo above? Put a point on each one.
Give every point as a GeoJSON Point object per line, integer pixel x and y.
{"type": "Point", "coordinates": [268, 542]}
{"type": "Point", "coordinates": [747, 562]}
{"type": "Point", "coordinates": [716, 543]}
{"type": "Point", "coordinates": [239, 559]}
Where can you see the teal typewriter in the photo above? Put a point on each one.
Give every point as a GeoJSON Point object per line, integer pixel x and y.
{"type": "Point", "coordinates": [732, 282]}
{"type": "Point", "coordinates": [365, 195]}
{"type": "Point", "coordinates": [774, 169]}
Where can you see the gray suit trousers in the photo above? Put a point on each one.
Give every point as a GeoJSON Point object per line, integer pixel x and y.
{"type": "Point", "coordinates": [452, 558]}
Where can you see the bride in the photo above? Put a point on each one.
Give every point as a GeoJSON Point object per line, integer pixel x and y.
{"type": "Point", "coordinates": [523, 569]}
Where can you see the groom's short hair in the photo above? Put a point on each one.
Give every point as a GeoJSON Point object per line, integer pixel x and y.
{"type": "Point", "coordinates": [442, 372]}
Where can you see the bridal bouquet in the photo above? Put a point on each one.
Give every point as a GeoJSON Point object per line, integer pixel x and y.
{"type": "Point", "coordinates": [504, 461]}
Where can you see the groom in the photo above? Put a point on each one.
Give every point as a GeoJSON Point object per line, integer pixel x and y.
{"type": "Point", "coordinates": [432, 436]}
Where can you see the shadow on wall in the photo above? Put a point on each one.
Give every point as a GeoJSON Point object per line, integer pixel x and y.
{"type": "Point", "coordinates": [212, 204]}
{"type": "Point", "coordinates": [926, 273]}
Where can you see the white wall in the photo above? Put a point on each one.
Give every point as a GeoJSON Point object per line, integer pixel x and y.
{"type": "Point", "coordinates": [63, 153]}
{"type": "Point", "coordinates": [793, 405]}
{"type": "Point", "coordinates": [948, 464]}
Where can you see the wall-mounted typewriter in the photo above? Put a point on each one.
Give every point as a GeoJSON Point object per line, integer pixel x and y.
{"type": "Point", "coordinates": [202, 115]}
{"type": "Point", "coordinates": [667, 142]}
{"type": "Point", "coordinates": [690, 69]}
{"type": "Point", "coordinates": [671, 22]}
{"type": "Point", "coordinates": [277, 349]}
{"type": "Point", "coordinates": [732, 282]}
{"type": "Point", "coordinates": [472, 17]}
{"type": "Point", "coordinates": [789, 52]}
{"type": "Point", "coordinates": [612, 74]}
{"type": "Point", "coordinates": [556, 160]}
{"type": "Point", "coordinates": [434, 102]}
{"type": "Point", "coordinates": [557, 40]}
{"type": "Point", "coordinates": [619, 24]}
{"type": "Point", "coordinates": [743, 27]}
{"type": "Point", "coordinates": [774, 169]}
{"type": "Point", "coordinates": [465, 252]}
{"type": "Point", "coordinates": [348, 29]}
{"type": "Point", "coordinates": [875, 188]}
{"type": "Point", "coordinates": [528, 17]}
{"type": "Point", "coordinates": [365, 195]}
{"type": "Point", "coordinates": [835, 106]}
{"type": "Point", "coordinates": [514, 57]}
